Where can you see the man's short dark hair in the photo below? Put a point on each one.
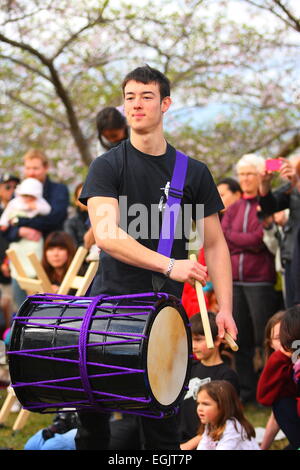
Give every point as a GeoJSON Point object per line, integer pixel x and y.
{"type": "Point", "coordinates": [147, 75]}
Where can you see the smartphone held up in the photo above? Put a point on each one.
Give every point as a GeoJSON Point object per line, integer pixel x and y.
{"type": "Point", "coordinates": [273, 164]}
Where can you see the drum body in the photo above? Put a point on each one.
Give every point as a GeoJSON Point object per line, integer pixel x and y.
{"type": "Point", "coordinates": [128, 353]}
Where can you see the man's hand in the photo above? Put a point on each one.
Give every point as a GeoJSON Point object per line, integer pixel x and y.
{"type": "Point", "coordinates": [185, 270]}
{"type": "Point", "coordinates": [30, 234]}
{"type": "Point", "coordinates": [226, 323]}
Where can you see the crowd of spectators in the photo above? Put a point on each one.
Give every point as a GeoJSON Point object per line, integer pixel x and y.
{"type": "Point", "coordinates": [262, 228]}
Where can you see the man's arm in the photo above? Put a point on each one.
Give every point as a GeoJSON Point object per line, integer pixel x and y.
{"type": "Point", "coordinates": [219, 268]}
{"type": "Point", "coordinates": [109, 237]}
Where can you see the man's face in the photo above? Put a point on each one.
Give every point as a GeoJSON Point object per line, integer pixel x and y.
{"type": "Point", "coordinates": [143, 106]}
{"type": "Point", "coordinates": [35, 169]}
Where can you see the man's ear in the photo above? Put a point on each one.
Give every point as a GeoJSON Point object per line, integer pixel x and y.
{"type": "Point", "coordinates": [166, 103]}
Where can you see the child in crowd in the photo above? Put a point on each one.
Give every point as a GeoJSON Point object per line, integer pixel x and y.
{"type": "Point", "coordinates": [208, 366]}
{"type": "Point", "coordinates": [276, 386]}
{"type": "Point", "coordinates": [271, 343]}
{"type": "Point", "coordinates": [223, 424]}
{"type": "Point", "coordinates": [28, 202]}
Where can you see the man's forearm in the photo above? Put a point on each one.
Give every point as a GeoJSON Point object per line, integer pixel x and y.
{"type": "Point", "coordinates": [109, 237]}
{"type": "Point", "coordinates": [128, 250]}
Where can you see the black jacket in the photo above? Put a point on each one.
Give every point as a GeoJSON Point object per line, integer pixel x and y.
{"type": "Point", "coordinates": [278, 200]}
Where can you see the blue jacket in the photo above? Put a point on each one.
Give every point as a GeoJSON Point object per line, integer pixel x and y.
{"type": "Point", "coordinates": [57, 195]}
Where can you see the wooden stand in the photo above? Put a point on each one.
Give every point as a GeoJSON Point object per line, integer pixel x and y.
{"type": "Point", "coordinates": [7, 405]}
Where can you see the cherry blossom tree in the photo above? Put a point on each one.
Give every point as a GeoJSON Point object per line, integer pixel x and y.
{"type": "Point", "coordinates": [61, 62]}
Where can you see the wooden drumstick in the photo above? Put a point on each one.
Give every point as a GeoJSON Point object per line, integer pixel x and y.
{"type": "Point", "coordinates": [203, 311]}
{"type": "Point", "coordinates": [204, 316]}
{"type": "Point", "coordinates": [230, 341]}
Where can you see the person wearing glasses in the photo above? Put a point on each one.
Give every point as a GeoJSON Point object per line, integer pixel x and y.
{"type": "Point", "coordinates": [253, 269]}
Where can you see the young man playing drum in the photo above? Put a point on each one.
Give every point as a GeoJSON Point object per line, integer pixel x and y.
{"type": "Point", "coordinates": [127, 179]}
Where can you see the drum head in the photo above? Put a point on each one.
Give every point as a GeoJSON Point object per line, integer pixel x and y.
{"type": "Point", "coordinates": [167, 356]}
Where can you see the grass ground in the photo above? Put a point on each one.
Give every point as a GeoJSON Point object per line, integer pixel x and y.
{"type": "Point", "coordinates": [16, 441]}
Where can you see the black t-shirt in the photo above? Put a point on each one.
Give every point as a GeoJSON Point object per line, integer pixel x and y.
{"type": "Point", "coordinates": [139, 181]}
{"type": "Point", "coordinates": [200, 374]}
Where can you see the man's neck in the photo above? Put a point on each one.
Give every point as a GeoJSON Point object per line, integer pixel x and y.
{"type": "Point", "coordinates": [151, 143]}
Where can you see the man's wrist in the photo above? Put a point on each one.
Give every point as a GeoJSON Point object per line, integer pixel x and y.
{"type": "Point", "coordinates": [170, 267]}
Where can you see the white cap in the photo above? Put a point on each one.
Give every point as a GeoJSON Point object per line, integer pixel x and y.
{"type": "Point", "coordinates": [30, 187]}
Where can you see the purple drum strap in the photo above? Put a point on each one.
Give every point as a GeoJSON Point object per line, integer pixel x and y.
{"type": "Point", "coordinates": [173, 205]}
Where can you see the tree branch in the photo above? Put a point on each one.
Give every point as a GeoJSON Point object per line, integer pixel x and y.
{"type": "Point", "coordinates": [74, 36]}
{"type": "Point", "coordinates": [289, 147]}
{"type": "Point", "coordinates": [295, 23]}
{"type": "Point", "coordinates": [37, 110]}
{"type": "Point", "coordinates": [26, 47]}
{"type": "Point", "coordinates": [288, 13]}
{"type": "Point", "coordinates": [286, 149]}
{"type": "Point", "coordinates": [62, 93]}
{"type": "Point", "coordinates": [27, 66]}
{"type": "Point", "coordinates": [24, 16]}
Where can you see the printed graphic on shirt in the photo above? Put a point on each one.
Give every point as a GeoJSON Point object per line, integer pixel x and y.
{"type": "Point", "coordinates": [194, 385]}
{"type": "Point", "coordinates": [164, 197]}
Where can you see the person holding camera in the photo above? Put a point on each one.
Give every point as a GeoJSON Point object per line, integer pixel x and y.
{"type": "Point", "coordinates": [286, 196]}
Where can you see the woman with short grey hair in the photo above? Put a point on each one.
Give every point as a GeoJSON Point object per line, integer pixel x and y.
{"type": "Point", "coordinates": [254, 298]}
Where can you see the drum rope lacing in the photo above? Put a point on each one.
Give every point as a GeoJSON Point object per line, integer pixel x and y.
{"type": "Point", "coordinates": [82, 348]}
